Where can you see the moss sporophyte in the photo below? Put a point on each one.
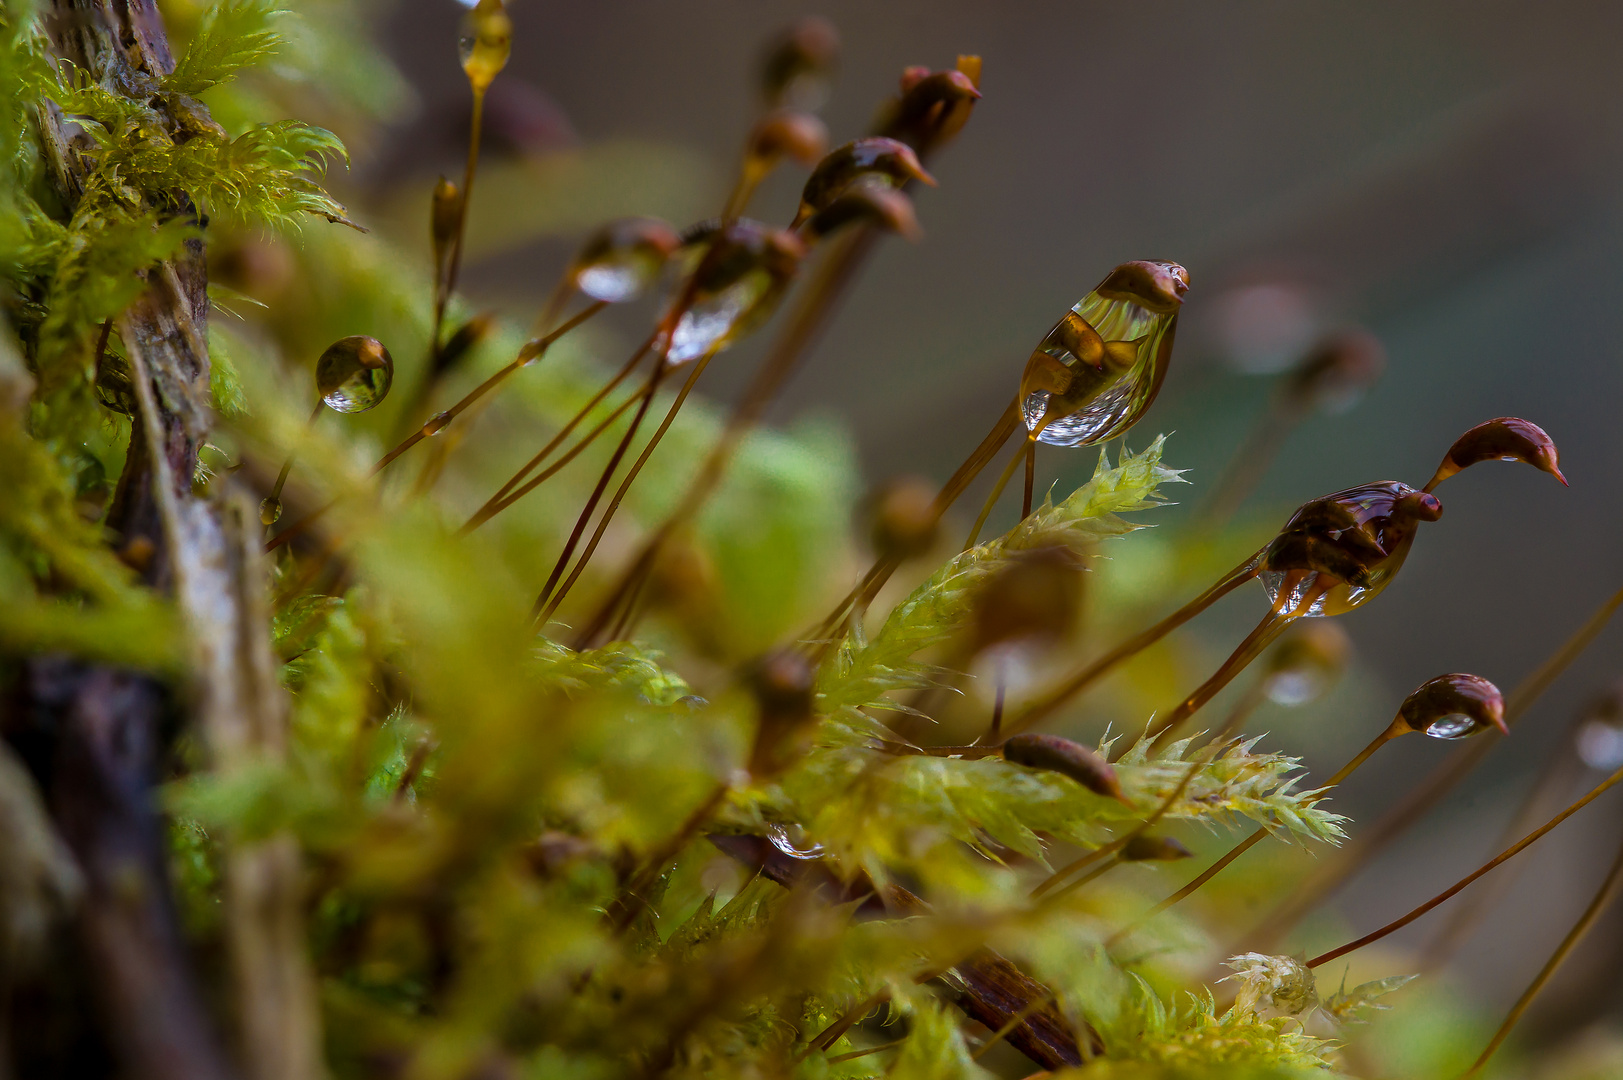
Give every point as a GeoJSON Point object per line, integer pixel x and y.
{"type": "Point", "coordinates": [351, 799]}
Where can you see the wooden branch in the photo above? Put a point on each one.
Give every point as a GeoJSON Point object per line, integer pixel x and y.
{"type": "Point", "coordinates": [206, 553]}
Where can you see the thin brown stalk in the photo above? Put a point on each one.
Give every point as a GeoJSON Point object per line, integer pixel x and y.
{"type": "Point", "coordinates": [1075, 684]}
{"type": "Point", "coordinates": [1603, 897]}
{"type": "Point", "coordinates": [807, 319]}
{"type": "Point", "coordinates": [1237, 716]}
{"type": "Point", "coordinates": [1511, 852]}
{"type": "Point", "coordinates": [1342, 865]}
{"type": "Point", "coordinates": [991, 499]}
{"type": "Point", "coordinates": [542, 610]}
{"type": "Point", "coordinates": [631, 478]}
{"type": "Point", "coordinates": [499, 501]}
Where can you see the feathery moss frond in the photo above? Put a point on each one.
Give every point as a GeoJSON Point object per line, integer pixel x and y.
{"type": "Point", "coordinates": [233, 34]}
{"type": "Point", "coordinates": [862, 673]}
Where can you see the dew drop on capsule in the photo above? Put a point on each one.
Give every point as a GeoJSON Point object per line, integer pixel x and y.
{"type": "Point", "coordinates": [1101, 366]}
{"type": "Point", "coordinates": [270, 511]}
{"type": "Point", "coordinates": [485, 43]}
{"type": "Point", "coordinates": [624, 258]}
{"type": "Point", "coordinates": [354, 374]}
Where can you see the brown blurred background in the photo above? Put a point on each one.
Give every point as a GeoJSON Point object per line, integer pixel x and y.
{"type": "Point", "coordinates": [1447, 174]}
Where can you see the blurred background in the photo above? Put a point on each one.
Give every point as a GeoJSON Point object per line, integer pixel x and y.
{"type": "Point", "coordinates": [1447, 175]}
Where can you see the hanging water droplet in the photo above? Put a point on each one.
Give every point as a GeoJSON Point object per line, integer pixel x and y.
{"type": "Point", "coordinates": [621, 260]}
{"type": "Point", "coordinates": [1453, 706]}
{"type": "Point", "coordinates": [1452, 726]}
{"type": "Point", "coordinates": [485, 43]}
{"type": "Point", "coordinates": [270, 511]}
{"type": "Point", "coordinates": [1100, 367]}
{"type": "Point", "coordinates": [739, 280]}
{"type": "Point", "coordinates": [1357, 538]}
{"type": "Point", "coordinates": [354, 374]}
{"type": "Point", "coordinates": [436, 424]}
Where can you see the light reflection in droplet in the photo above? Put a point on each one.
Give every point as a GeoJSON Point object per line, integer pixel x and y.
{"type": "Point", "coordinates": [1452, 726]}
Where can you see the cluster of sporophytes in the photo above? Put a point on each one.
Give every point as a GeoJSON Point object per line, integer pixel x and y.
{"type": "Point", "coordinates": [298, 779]}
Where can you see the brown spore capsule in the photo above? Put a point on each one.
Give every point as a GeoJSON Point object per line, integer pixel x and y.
{"type": "Point", "coordinates": [797, 68]}
{"type": "Point", "coordinates": [354, 374]}
{"type": "Point", "coordinates": [1152, 284]}
{"type": "Point", "coordinates": [742, 273]}
{"type": "Point", "coordinates": [1145, 848]}
{"type": "Point", "coordinates": [933, 108]}
{"type": "Point", "coordinates": [875, 157]}
{"type": "Point", "coordinates": [1304, 664]}
{"type": "Point", "coordinates": [783, 684]}
{"type": "Point", "coordinates": [905, 520]}
{"type": "Point", "coordinates": [444, 212]}
{"type": "Point", "coordinates": [1101, 366]}
{"type": "Point", "coordinates": [1506, 438]}
{"type": "Point", "coordinates": [622, 259]}
{"type": "Point", "coordinates": [1054, 753]}
{"type": "Point", "coordinates": [867, 202]}
{"type": "Point", "coordinates": [1037, 598]}
{"type": "Point", "coordinates": [463, 341]}
{"type": "Point", "coordinates": [1358, 537]}
{"type": "Point", "coordinates": [789, 133]}
{"type": "Point", "coordinates": [1337, 372]}
{"type": "Point", "coordinates": [1453, 706]}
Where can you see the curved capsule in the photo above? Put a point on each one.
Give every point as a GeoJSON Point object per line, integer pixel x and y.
{"type": "Point", "coordinates": [1306, 663]}
{"type": "Point", "coordinates": [1100, 367]}
{"type": "Point", "coordinates": [787, 133]}
{"type": "Point", "coordinates": [1454, 706]}
{"type": "Point", "coordinates": [622, 259]}
{"type": "Point", "coordinates": [905, 520]}
{"type": "Point", "coordinates": [783, 684]}
{"type": "Point", "coordinates": [1358, 538]}
{"type": "Point", "coordinates": [485, 43]}
{"type": "Point", "coordinates": [446, 209]}
{"type": "Point", "coordinates": [934, 106]}
{"type": "Point", "coordinates": [1336, 373]}
{"type": "Point", "coordinates": [1154, 849]}
{"type": "Point", "coordinates": [872, 158]}
{"type": "Point", "coordinates": [1053, 753]}
{"type": "Point", "coordinates": [1507, 438]}
{"type": "Point", "coordinates": [796, 70]}
{"type": "Point", "coordinates": [866, 202]}
{"type": "Point", "coordinates": [1037, 597]}
{"type": "Point", "coordinates": [743, 272]}
{"type": "Point", "coordinates": [354, 374]}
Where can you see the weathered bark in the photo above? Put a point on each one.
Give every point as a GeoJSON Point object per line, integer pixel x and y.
{"type": "Point", "coordinates": [206, 552]}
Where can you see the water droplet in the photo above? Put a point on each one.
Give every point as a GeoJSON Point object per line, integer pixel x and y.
{"type": "Point", "coordinates": [485, 43]}
{"type": "Point", "coordinates": [1358, 538]}
{"type": "Point", "coordinates": [1452, 706]}
{"type": "Point", "coordinates": [436, 424]}
{"type": "Point", "coordinates": [270, 511]}
{"type": "Point", "coordinates": [1100, 367]}
{"type": "Point", "coordinates": [621, 260]}
{"type": "Point", "coordinates": [1600, 745]}
{"type": "Point", "coordinates": [791, 840]}
{"type": "Point", "coordinates": [354, 374]}
{"type": "Point", "coordinates": [740, 277]}
{"type": "Point", "coordinates": [1452, 726]}
{"type": "Point", "coordinates": [1274, 583]}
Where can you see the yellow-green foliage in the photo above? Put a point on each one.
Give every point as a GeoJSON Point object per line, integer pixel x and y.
{"type": "Point", "coordinates": [474, 802]}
